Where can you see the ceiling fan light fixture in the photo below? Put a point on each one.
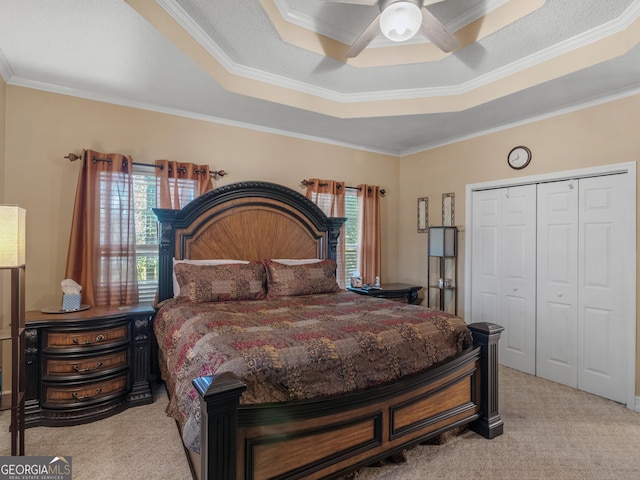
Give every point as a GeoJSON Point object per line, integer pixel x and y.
{"type": "Point", "coordinates": [400, 21]}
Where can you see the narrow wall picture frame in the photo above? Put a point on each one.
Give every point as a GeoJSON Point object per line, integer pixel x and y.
{"type": "Point", "coordinates": [423, 214]}
{"type": "Point", "coordinates": [448, 210]}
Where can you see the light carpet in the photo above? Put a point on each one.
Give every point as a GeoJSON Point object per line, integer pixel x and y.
{"type": "Point", "coordinates": [139, 443]}
{"type": "Point", "coordinates": [551, 432]}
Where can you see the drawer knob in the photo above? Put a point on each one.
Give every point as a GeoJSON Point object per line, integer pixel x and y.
{"type": "Point", "coordinates": [86, 397]}
{"type": "Point", "coordinates": [99, 338]}
{"type": "Point", "coordinates": [88, 369]}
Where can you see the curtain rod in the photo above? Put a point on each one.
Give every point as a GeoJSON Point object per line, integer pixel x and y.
{"type": "Point", "coordinates": [214, 173]}
{"type": "Point", "coordinates": [307, 183]}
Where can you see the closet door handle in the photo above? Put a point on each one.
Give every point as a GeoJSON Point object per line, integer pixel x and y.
{"type": "Point", "coordinates": [560, 294]}
{"type": "Point", "coordinates": [515, 289]}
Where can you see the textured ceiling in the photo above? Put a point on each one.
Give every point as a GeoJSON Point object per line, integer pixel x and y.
{"type": "Point", "coordinates": [278, 65]}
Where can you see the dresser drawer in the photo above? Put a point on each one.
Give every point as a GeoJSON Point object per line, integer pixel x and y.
{"type": "Point", "coordinates": [86, 393]}
{"type": "Point", "coordinates": [60, 368]}
{"type": "Point", "coordinates": [55, 341]}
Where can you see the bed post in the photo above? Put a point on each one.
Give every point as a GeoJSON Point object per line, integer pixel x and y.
{"type": "Point", "coordinates": [333, 234]}
{"type": "Point", "coordinates": [219, 401]}
{"type": "Point", "coordinates": [486, 335]}
{"type": "Point", "coordinates": [166, 252]}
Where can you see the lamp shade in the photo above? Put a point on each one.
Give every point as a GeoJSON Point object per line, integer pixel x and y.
{"type": "Point", "coordinates": [442, 241]}
{"type": "Point", "coordinates": [400, 21]}
{"type": "Point", "coordinates": [12, 236]}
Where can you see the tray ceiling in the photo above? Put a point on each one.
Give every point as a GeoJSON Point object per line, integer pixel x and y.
{"type": "Point", "coordinates": [279, 66]}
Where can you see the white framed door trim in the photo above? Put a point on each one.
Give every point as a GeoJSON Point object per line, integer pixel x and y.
{"type": "Point", "coordinates": [628, 168]}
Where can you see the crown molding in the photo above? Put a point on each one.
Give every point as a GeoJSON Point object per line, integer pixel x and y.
{"type": "Point", "coordinates": [561, 110]}
{"type": "Point", "coordinates": [151, 107]}
{"type": "Point", "coordinates": [48, 87]}
{"type": "Point", "coordinates": [5, 69]}
{"type": "Point", "coordinates": [586, 38]}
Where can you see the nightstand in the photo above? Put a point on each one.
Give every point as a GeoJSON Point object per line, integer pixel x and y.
{"type": "Point", "coordinates": [86, 365]}
{"type": "Point", "coordinates": [408, 293]}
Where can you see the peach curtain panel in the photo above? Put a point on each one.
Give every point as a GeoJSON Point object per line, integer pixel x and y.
{"type": "Point", "coordinates": [329, 196]}
{"type": "Point", "coordinates": [369, 255]}
{"type": "Point", "coordinates": [178, 183]}
{"type": "Point", "coordinates": [101, 254]}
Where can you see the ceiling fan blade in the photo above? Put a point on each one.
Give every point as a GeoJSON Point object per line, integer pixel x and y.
{"type": "Point", "coordinates": [365, 38]}
{"type": "Point", "coordinates": [437, 32]}
{"type": "Point", "coordinates": [355, 2]}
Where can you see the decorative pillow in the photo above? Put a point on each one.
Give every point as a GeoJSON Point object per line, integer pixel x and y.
{"type": "Point", "coordinates": [219, 283]}
{"type": "Point", "coordinates": [305, 279]}
{"type": "Point", "coordinates": [217, 261]}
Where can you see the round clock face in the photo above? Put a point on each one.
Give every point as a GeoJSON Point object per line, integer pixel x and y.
{"type": "Point", "coordinates": [519, 157]}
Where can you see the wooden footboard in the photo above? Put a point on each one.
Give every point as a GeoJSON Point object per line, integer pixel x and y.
{"type": "Point", "coordinates": [328, 438]}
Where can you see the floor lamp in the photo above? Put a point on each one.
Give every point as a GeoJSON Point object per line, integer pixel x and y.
{"type": "Point", "coordinates": [12, 257]}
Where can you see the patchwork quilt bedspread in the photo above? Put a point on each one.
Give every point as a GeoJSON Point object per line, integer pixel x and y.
{"type": "Point", "coordinates": [292, 348]}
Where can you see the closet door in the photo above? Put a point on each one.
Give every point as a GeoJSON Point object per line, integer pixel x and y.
{"type": "Point", "coordinates": [582, 240]}
{"type": "Point", "coordinates": [486, 280]}
{"type": "Point", "coordinates": [603, 241]}
{"type": "Point", "coordinates": [557, 302]}
{"type": "Point", "coordinates": [503, 270]}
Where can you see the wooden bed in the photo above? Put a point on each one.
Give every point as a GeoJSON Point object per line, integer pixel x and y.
{"type": "Point", "coordinates": [323, 438]}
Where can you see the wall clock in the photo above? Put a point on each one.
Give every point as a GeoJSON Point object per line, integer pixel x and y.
{"type": "Point", "coordinates": [519, 157]}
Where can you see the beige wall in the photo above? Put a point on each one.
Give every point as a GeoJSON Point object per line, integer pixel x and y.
{"type": "Point", "coordinates": [599, 135]}
{"type": "Point", "coordinates": [43, 127]}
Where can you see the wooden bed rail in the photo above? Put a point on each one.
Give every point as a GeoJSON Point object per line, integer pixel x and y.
{"type": "Point", "coordinates": [460, 391]}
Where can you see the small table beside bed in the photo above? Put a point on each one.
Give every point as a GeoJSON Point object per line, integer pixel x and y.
{"type": "Point", "coordinates": [400, 291]}
{"type": "Point", "coordinates": [273, 372]}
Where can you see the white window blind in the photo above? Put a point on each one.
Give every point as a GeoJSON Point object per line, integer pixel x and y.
{"type": "Point", "coordinates": [351, 233]}
{"type": "Point", "coordinates": [147, 237]}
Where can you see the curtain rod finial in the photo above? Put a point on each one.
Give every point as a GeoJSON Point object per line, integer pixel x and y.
{"type": "Point", "coordinates": [73, 157]}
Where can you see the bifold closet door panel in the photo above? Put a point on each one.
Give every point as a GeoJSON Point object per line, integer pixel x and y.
{"type": "Point", "coordinates": [503, 269]}
{"type": "Point", "coordinates": [603, 238]}
{"type": "Point", "coordinates": [518, 294]}
{"type": "Point", "coordinates": [486, 269]}
{"type": "Point", "coordinates": [557, 292]}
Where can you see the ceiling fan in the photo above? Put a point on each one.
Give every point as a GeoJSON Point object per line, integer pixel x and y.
{"type": "Point", "coordinates": [400, 20]}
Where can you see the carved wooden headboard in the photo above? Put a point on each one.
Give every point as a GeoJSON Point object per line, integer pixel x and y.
{"type": "Point", "coordinates": [244, 221]}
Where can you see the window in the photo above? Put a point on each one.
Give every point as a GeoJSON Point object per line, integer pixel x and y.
{"type": "Point", "coordinates": [351, 233]}
{"type": "Point", "coordinates": [147, 232]}
{"type": "Point", "coordinates": [147, 237]}
{"type": "Point", "coordinates": [113, 241]}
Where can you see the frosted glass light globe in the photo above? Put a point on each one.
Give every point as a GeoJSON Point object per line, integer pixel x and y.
{"type": "Point", "coordinates": [400, 21]}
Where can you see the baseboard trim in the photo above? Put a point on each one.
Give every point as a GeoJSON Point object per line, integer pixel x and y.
{"type": "Point", "coordinates": [637, 406]}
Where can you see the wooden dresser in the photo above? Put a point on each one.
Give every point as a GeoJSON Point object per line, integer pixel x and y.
{"type": "Point", "coordinates": [86, 365]}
